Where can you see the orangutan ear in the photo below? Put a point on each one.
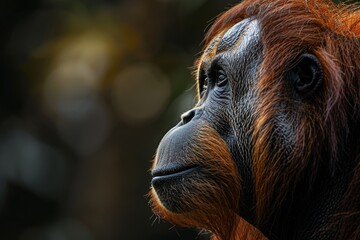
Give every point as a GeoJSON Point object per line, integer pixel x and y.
{"type": "Point", "coordinates": [306, 76]}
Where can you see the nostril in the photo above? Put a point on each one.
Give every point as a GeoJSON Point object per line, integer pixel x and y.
{"type": "Point", "coordinates": [186, 117]}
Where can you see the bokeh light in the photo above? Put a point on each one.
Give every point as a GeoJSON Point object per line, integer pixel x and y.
{"type": "Point", "coordinates": [88, 89]}
{"type": "Point", "coordinates": [135, 84]}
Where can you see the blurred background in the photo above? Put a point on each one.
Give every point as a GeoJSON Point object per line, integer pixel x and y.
{"type": "Point", "coordinates": [87, 90]}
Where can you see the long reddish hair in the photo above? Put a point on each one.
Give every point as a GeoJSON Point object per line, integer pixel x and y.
{"type": "Point", "coordinates": [331, 32]}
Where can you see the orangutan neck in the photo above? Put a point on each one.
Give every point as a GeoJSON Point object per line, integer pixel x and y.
{"type": "Point", "coordinates": [244, 231]}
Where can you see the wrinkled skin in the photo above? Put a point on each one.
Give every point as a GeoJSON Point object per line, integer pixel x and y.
{"type": "Point", "coordinates": [205, 162]}
{"type": "Point", "coordinates": [227, 75]}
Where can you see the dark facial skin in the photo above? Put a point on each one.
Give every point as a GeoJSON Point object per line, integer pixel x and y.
{"type": "Point", "coordinates": [227, 74]}
{"type": "Point", "coordinates": [205, 163]}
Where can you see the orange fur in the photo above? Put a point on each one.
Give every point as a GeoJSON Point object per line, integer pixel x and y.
{"type": "Point", "coordinates": [288, 28]}
{"type": "Point", "coordinates": [244, 231]}
{"type": "Point", "coordinates": [213, 200]}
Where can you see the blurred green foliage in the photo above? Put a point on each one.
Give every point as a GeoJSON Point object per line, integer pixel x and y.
{"type": "Point", "coordinates": [87, 90]}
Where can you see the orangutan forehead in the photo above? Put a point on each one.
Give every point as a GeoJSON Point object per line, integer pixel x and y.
{"type": "Point", "coordinates": [234, 39]}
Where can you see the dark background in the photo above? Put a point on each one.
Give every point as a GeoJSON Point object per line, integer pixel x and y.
{"type": "Point", "coordinates": [87, 90]}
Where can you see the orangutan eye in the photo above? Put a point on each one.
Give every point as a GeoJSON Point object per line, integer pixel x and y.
{"type": "Point", "coordinates": [221, 78]}
{"type": "Point", "coordinates": [205, 84]}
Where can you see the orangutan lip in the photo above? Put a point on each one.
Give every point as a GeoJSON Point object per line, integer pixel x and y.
{"type": "Point", "coordinates": [173, 172]}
